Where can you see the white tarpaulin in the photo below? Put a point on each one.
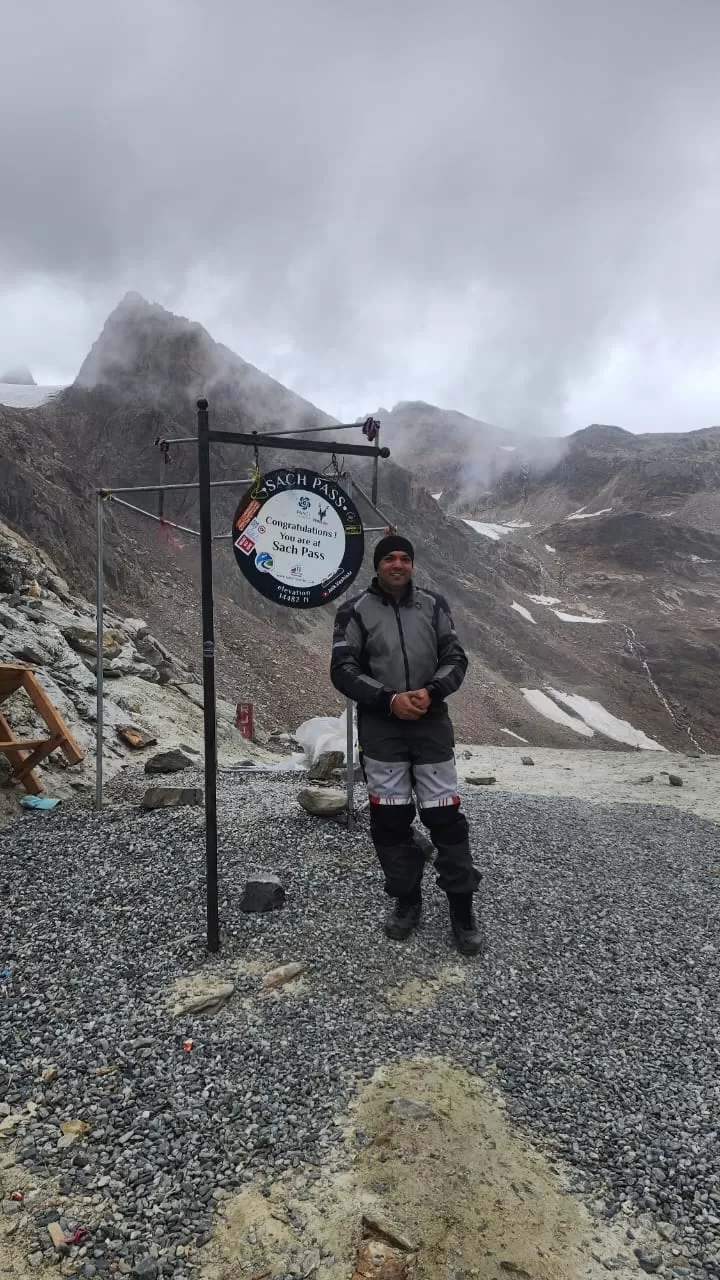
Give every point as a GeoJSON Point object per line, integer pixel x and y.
{"type": "Point", "coordinates": [325, 733]}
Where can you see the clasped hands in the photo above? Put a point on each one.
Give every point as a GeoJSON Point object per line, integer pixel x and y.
{"type": "Point", "coordinates": [411, 705]}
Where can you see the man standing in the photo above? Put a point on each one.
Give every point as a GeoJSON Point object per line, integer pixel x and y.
{"type": "Point", "coordinates": [396, 654]}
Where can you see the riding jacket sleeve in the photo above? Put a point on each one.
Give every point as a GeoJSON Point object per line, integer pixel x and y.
{"type": "Point", "coordinates": [347, 668]}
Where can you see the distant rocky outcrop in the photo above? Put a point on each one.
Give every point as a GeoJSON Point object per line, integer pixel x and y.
{"type": "Point", "coordinates": [43, 624]}
{"type": "Point", "coordinates": [19, 376]}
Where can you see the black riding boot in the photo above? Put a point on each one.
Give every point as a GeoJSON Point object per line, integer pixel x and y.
{"type": "Point", "coordinates": [404, 917]}
{"type": "Point", "coordinates": [468, 938]}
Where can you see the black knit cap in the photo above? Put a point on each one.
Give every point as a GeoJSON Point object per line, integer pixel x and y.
{"type": "Point", "coordinates": [393, 542]}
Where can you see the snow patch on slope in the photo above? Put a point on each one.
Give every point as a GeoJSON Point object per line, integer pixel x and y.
{"type": "Point", "coordinates": [596, 717]}
{"type": "Point", "coordinates": [551, 711]}
{"type": "Point", "coordinates": [489, 529]}
{"type": "Point", "coordinates": [576, 617]}
{"type": "Point", "coordinates": [510, 734]}
{"type": "Point", "coordinates": [494, 531]}
{"type": "Point", "coordinates": [582, 514]}
{"type": "Point", "coordinates": [525, 613]}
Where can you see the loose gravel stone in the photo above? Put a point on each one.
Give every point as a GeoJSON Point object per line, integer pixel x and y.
{"type": "Point", "coordinates": [595, 1009]}
{"type": "Point", "coordinates": [263, 893]}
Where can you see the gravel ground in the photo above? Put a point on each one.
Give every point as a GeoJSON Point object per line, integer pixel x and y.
{"type": "Point", "coordinates": [596, 1004]}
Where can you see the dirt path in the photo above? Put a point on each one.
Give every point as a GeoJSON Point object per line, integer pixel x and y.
{"type": "Point", "coordinates": [470, 1195]}
{"type": "Point", "coordinates": [600, 777]}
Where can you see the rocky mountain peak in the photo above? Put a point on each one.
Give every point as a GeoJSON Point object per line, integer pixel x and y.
{"type": "Point", "coordinates": [19, 376]}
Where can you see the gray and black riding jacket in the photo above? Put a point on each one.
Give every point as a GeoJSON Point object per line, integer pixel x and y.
{"type": "Point", "coordinates": [382, 646]}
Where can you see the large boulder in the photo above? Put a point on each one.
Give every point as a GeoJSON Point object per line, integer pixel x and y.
{"type": "Point", "coordinates": [322, 803]}
{"type": "Point", "coordinates": [169, 762]}
{"type": "Point", "coordinates": [83, 638]}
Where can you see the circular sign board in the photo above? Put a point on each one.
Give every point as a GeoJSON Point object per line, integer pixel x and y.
{"type": "Point", "coordinates": [298, 538]}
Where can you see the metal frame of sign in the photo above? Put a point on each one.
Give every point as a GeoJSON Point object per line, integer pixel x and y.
{"type": "Point", "coordinates": [279, 442]}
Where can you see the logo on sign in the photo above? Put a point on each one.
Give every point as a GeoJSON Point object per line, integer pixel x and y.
{"type": "Point", "coordinates": [304, 503]}
{"type": "Point", "coordinates": [245, 544]}
{"type": "Point", "coordinates": [263, 561]}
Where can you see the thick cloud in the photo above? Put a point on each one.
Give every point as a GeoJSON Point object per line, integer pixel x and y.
{"type": "Point", "coordinates": [508, 207]}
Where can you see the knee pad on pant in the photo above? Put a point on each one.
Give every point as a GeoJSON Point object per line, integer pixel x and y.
{"type": "Point", "coordinates": [391, 824]}
{"type": "Point", "coordinates": [446, 824]}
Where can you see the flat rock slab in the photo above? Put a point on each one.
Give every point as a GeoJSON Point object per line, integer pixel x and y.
{"type": "Point", "coordinates": [263, 893]}
{"type": "Point", "coordinates": [281, 976]}
{"type": "Point", "coordinates": [135, 737]}
{"type": "Point", "coordinates": [476, 781]}
{"type": "Point", "coordinates": [408, 1109]}
{"type": "Point", "coordinates": [171, 797]}
{"type": "Point", "coordinates": [169, 762]}
{"type": "Point", "coordinates": [382, 1229]}
{"type": "Point", "coordinates": [206, 997]}
{"type": "Point", "coordinates": [57, 1235]}
{"type": "Point", "coordinates": [83, 639]}
{"type": "Point", "coordinates": [322, 804]}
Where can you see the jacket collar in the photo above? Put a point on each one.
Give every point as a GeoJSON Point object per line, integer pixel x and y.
{"type": "Point", "coordinates": [405, 600]}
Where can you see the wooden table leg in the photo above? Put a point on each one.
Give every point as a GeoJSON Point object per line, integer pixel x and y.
{"type": "Point", "coordinates": [52, 718]}
{"type": "Point", "coordinates": [17, 761]}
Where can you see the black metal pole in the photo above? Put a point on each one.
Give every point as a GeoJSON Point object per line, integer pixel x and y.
{"type": "Point", "coordinates": [374, 489]}
{"type": "Point", "coordinates": [208, 630]}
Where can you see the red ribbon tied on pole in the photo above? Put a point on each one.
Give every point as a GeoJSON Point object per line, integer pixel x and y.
{"type": "Point", "coordinates": [167, 536]}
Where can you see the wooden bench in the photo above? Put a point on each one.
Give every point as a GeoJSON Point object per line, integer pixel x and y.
{"type": "Point", "coordinates": [25, 754]}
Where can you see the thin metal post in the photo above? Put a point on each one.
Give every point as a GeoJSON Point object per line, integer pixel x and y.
{"type": "Point", "coordinates": [350, 734]}
{"type": "Point", "coordinates": [161, 490]}
{"type": "Point", "coordinates": [350, 762]}
{"type": "Point", "coordinates": [208, 631]}
{"type": "Point", "coordinates": [99, 652]}
{"type": "Point", "coordinates": [376, 460]}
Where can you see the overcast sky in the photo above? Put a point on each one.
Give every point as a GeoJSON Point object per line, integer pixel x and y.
{"type": "Point", "coordinates": [508, 207]}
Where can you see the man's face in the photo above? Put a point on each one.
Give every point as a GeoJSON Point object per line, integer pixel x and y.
{"type": "Point", "coordinates": [395, 572]}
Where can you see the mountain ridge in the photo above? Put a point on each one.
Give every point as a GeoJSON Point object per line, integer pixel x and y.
{"type": "Point", "coordinates": [140, 381]}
